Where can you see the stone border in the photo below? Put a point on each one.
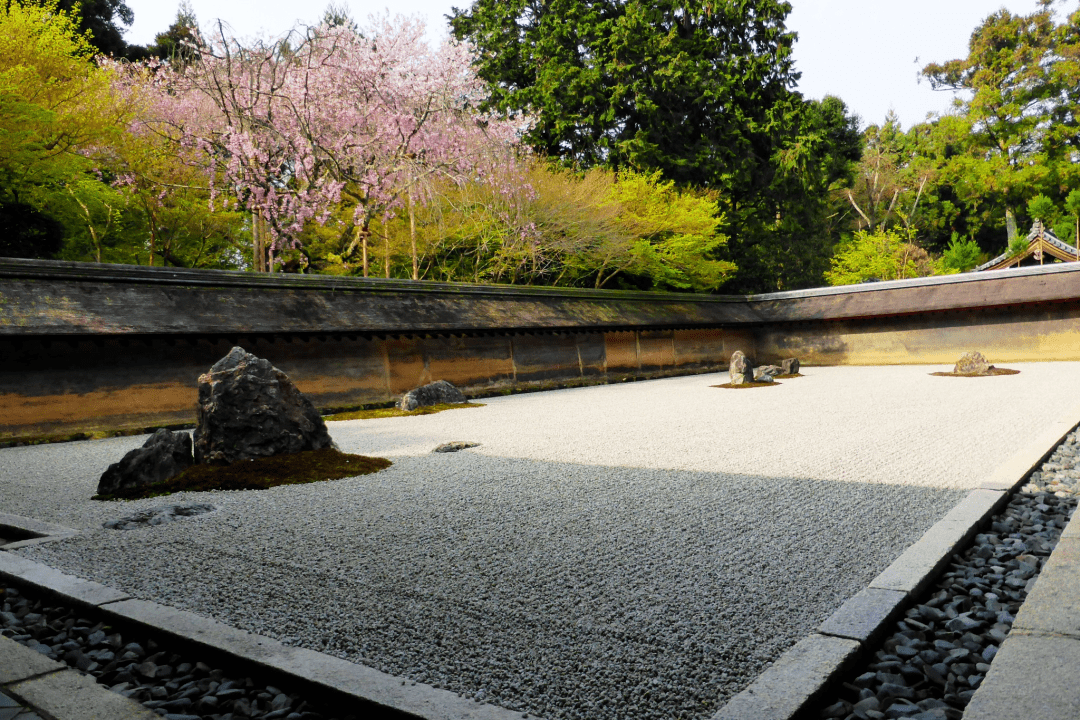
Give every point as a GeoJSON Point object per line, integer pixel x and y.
{"type": "Point", "coordinates": [801, 675]}
{"type": "Point", "coordinates": [358, 685]}
{"type": "Point", "coordinates": [43, 532]}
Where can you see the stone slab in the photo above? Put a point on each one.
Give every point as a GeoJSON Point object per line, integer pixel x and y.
{"type": "Point", "coordinates": [792, 682]}
{"type": "Point", "coordinates": [917, 567]}
{"type": "Point", "coordinates": [980, 504]}
{"type": "Point", "coordinates": [68, 587]}
{"type": "Point", "coordinates": [69, 695]}
{"type": "Point", "coordinates": [359, 681]}
{"type": "Point", "coordinates": [1032, 678]}
{"type": "Point", "coordinates": [865, 614]}
{"type": "Point", "coordinates": [18, 662]}
{"type": "Point", "coordinates": [1053, 605]}
{"type": "Point", "coordinates": [1072, 530]}
{"type": "Point", "coordinates": [35, 526]}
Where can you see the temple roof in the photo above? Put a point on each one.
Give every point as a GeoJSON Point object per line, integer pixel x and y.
{"type": "Point", "coordinates": [1039, 239]}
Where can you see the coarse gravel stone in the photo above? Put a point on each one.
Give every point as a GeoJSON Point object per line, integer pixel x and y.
{"type": "Point", "coordinates": [606, 552]}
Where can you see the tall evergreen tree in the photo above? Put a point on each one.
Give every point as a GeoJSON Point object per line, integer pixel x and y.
{"type": "Point", "coordinates": [701, 90]}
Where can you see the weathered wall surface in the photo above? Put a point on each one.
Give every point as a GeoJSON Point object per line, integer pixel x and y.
{"type": "Point", "coordinates": [104, 347]}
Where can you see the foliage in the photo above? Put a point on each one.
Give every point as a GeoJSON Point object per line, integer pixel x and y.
{"type": "Point", "coordinates": [879, 255]}
{"type": "Point", "coordinates": [296, 125]}
{"type": "Point", "coordinates": [594, 229]}
{"type": "Point", "coordinates": [962, 255]}
{"type": "Point", "coordinates": [700, 91]}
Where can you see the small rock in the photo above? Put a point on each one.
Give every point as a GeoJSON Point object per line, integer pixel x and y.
{"type": "Point", "coordinates": [455, 446]}
{"type": "Point", "coordinates": [971, 362]}
{"type": "Point", "coordinates": [439, 392]}
{"type": "Point", "coordinates": [790, 365]}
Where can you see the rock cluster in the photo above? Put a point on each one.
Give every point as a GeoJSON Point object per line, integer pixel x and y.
{"type": "Point", "coordinates": [247, 408]}
{"type": "Point", "coordinates": [972, 363]}
{"type": "Point", "coordinates": [164, 455]}
{"type": "Point", "coordinates": [177, 687]}
{"type": "Point", "coordinates": [740, 369]}
{"type": "Point", "coordinates": [159, 515]}
{"type": "Point", "coordinates": [938, 655]}
{"type": "Point", "coordinates": [439, 392]}
{"type": "Point", "coordinates": [1060, 474]}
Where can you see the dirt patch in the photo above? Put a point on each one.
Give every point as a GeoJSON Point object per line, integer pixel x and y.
{"type": "Point", "coordinates": [989, 373]}
{"type": "Point", "coordinates": [396, 412]}
{"type": "Point", "coordinates": [294, 469]}
{"type": "Point", "coordinates": [744, 386]}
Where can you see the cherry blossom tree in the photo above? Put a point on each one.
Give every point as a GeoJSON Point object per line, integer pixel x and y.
{"type": "Point", "coordinates": [292, 127]}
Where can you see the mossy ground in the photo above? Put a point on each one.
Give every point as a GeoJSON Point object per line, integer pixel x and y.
{"type": "Point", "coordinates": [396, 412]}
{"type": "Point", "coordinates": [744, 386]}
{"type": "Point", "coordinates": [294, 469]}
{"type": "Point", "coordinates": [993, 371]}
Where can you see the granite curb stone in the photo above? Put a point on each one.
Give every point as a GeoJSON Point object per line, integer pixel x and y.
{"type": "Point", "coordinates": [865, 614]}
{"type": "Point", "coordinates": [51, 689]}
{"type": "Point", "coordinates": [67, 587]}
{"type": "Point", "coordinates": [793, 681]}
{"type": "Point", "coordinates": [70, 695]}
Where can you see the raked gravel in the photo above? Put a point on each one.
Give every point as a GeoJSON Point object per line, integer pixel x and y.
{"type": "Point", "coordinates": [625, 551]}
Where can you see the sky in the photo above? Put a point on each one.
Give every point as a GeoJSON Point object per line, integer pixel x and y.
{"type": "Point", "coordinates": [867, 52]}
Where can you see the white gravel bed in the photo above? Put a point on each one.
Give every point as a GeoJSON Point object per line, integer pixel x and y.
{"type": "Point", "coordinates": [625, 551]}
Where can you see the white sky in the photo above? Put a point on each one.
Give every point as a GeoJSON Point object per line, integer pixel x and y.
{"type": "Point", "coordinates": [867, 52]}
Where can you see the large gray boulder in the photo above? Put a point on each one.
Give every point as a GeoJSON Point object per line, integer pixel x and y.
{"type": "Point", "coordinates": [439, 392]}
{"type": "Point", "coordinates": [791, 366]}
{"type": "Point", "coordinates": [250, 409]}
{"type": "Point", "coordinates": [741, 369]}
{"type": "Point", "coordinates": [165, 455]}
{"type": "Point", "coordinates": [971, 363]}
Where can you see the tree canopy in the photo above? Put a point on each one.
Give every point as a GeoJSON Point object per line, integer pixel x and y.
{"type": "Point", "coordinates": [701, 91]}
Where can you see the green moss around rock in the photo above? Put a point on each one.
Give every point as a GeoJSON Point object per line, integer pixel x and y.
{"type": "Point", "coordinates": [396, 412]}
{"type": "Point", "coordinates": [294, 469]}
{"type": "Point", "coordinates": [744, 386]}
{"type": "Point", "coordinates": [992, 372]}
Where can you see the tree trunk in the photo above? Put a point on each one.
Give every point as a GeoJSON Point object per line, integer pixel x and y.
{"type": "Point", "coordinates": [1010, 224]}
{"type": "Point", "coordinates": [258, 251]}
{"type": "Point", "coordinates": [386, 251]}
{"type": "Point", "coordinates": [412, 238]}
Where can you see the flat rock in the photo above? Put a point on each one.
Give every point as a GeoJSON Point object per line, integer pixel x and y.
{"type": "Point", "coordinates": [158, 516]}
{"type": "Point", "coordinates": [455, 446]}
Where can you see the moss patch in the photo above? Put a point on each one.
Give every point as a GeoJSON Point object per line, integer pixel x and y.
{"type": "Point", "coordinates": [294, 469]}
{"type": "Point", "coordinates": [989, 373]}
{"type": "Point", "coordinates": [788, 376]}
{"type": "Point", "coordinates": [744, 386]}
{"type": "Point", "coordinates": [397, 412]}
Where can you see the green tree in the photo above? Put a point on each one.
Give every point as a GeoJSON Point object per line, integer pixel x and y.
{"type": "Point", "coordinates": [879, 255]}
{"type": "Point", "coordinates": [699, 90]}
{"type": "Point", "coordinates": [1021, 72]}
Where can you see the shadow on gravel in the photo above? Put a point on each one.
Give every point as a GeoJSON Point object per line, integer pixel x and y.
{"type": "Point", "coordinates": [556, 589]}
